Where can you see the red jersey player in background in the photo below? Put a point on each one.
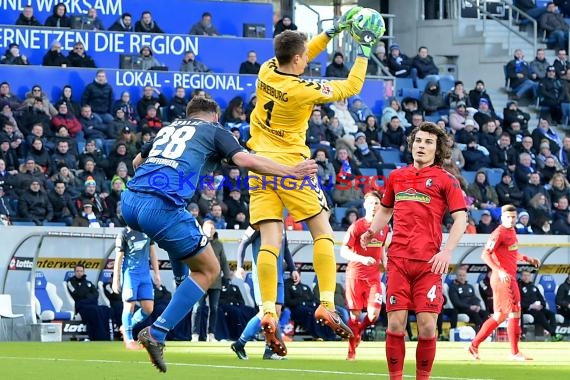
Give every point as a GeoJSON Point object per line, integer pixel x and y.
{"type": "Point", "coordinates": [363, 289]}
{"type": "Point", "coordinates": [501, 254]}
{"type": "Point", "coordinates": [418, 196]}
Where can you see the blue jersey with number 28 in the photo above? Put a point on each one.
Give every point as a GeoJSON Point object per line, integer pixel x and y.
{"type": "Point", "coordinates": [179, 154]}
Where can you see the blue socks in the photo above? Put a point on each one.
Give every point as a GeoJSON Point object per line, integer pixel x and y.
{"type": "Point", "coordinates": [187, 294]}
{"type": "Point", "coordinates": [251, 330]}
{"type": "Point", "coordinates": [139, 316]}
{"type": "Point", "coordinates": [127, 320]}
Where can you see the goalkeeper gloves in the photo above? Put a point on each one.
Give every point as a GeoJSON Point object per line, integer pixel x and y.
{"type": "Point", "coordinates": [343, 23]}
{"type": "Point", "coordinates": [364, 50]}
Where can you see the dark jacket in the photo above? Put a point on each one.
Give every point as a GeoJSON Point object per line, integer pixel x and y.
{"type": "Point", "coordinates": [432, 100]}
{"type": "Point", "coordinates": [335, 70]}
{"type": "Point", "coordinates": [475, 96]}
{"type": "Point", "coordinates": [425, 66]}
{"type": "Point", "coordinates": [54, 58]}
{"type": "Point", "coordinates": [298, 295]}
{"type": "Point", "coordinates": [82, 291]}
{"type": "Point", "coordinates": [92, 128]}
{"type": "Point", "coordinates": [514, 68]}
{"type": "Point", "coordinates": [552, 92]}
{"type": "Point", "coordinates": [22, 20]}
{"type": "Point", "coordinates": [99, 97]}
{"type": "Point", "coordinates": [64, 21]}
{"type": "Point", "coordinates": [249, 68]}
{"type": "Point", "coordinates": [151, 28]}
{"type": "Point", "coordinates": [144, 103]}
{"type": "Point", "coordinates": [563, 295]}
{"type": "Point", "coordinates": [224, 276]}
{"type": "Point", "coordinates": [177, 108]}
{"type": "Point", "coordinates": [462, 296]}
{"type": "Point", "coordinates": [399, 66]}
{"type": "Point", "coordinates": [502, 158]}
{"type": "Point", "coordinates": [510, 116]}
{"type": "Point", "coordinates": [529, 295]}
{"type": "Point", "coordinates": [9, 59]}
{"type": "Point", "coordinates": [119, 26]}
{"type": "Point", "coordinates": [509, 194]}
{"type": "Point", "coordinates": [62, 205]}
{"type": "Point", "coordinates": [75, 60]}
{"type": "Point", "coordinates": [35, 206]}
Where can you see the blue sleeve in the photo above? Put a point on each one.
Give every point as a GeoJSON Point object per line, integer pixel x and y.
{"type": "Point", "coordinates": [226, 144]}
{"type": "Point", "coordinates": [146, 148]}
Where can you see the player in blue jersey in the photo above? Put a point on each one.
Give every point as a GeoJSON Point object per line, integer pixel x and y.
{"type": "Point", "coordinates": [252, 237]}
{"type": "Point", "coordinates": [167, 174]}
{"type": "Point", "coordinates": [131, 278]}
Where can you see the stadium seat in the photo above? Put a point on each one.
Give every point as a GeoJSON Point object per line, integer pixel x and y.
{"type": "Point", "coordinates": [6, 315]}
{"type": "Point", "coordinates": [410, 93]}
{"type": "Point", "coordinates": [105, 277]}
{"type": "Point", "coordinates": [108, 147]}
{"type": "Point", "coordinates": [47, 303]}
{"type": "Point", "coordinates": [404, 83]}
{"type": "Point", "coordinates": [249, 282]}
{"type": "Point", "coordinates": [369, 172]}
{"type": "Point", "coordinates": [386, 172]}
{"type": "Point", "coordinates": [494, 176]}
{"type": "Point", "coordinates": [68, 296]}
{"type": "Point", "coordinates": [421, 84]}
{"type": "Point", "coordinates": [22, 223]}
{"type": "Point", "coordinates": [54, 224]}
{"type": "Point", "coordinates": [469, 176]}
{"type": "Point", "coordinates": [476, 215]}
{"type": "Point", "coordinates": [446, 84]}
{"type": "Point", "coordinates": [246, 291]}
{"type": "Point", "coordinates": [432, 118]}
{"type": "Point", "coordinates": [390, 156]}
{"type": "Point", "coordinates": [547, 286]}
{"type": "Point", "coordinates": [339, 213]}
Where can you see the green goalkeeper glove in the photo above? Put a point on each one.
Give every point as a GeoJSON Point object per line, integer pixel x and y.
{"type": "Point", "coordinates": [364, 50]}
{"type": "Point", "coordinates": [343, 23]}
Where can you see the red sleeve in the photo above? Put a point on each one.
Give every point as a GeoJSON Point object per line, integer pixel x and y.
{"type": "Point", "coordinates": [350, 238]}
{"type": "Point", "coordinates": [494, 241]}
{"type": "Point", "coordinates": [388, 197]}
{"type": "Point", "coordinates": [454, 195]}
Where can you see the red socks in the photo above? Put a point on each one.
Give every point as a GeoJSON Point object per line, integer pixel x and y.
{"type": "Point", "coordinates": [513, 332]}
{"type": "Point", "coordinates": [487, 329]}
{"type": "Point", "coordinates": [425, 354]}
{"type": "Point", "coordinates": [395, 354]}
{"type": "Point", "coordinates": [355, 327]}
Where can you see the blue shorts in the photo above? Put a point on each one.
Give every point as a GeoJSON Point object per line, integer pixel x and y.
{"type": "Point", "coordinates": [280, 287]}
{"type": "Point", "coordinates": [136, 287]}
{"type": "Point", "coordinates": [172, 227]}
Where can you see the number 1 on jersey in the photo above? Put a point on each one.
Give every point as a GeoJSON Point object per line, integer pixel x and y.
{"type": "Point", "coordinates": [269, 108]}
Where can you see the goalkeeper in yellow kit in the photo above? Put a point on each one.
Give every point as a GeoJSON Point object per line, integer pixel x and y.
{"type": "Point", "coordinates": [278, 129]}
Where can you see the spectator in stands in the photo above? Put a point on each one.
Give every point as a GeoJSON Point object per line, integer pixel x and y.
{"type": "Point", "coordinates": [207, 199]}
{"type": "Point", "coordinates": [529, 7]}
{"type": "Point", "coordinates": [79, 58]}
{"type": "Point", "coordinates": [34, 205]}
{"type": "Point", "coordinates": [40, 101]}
{"type": "Point", "coordinates": [27, 17]}
{"type": "Point", "coordinates": [367, 157]}
{"type": "Point", "coordinates": [521, 76]}
{"type": "Point", "coordinates": [325, 172]}
{"type": "Point", "coordinates": [561, 63]}
{"type": "Point", "coordinates": [380, 68]}
{"type": "Point", "coordinates": [554, 24]}
{"type": "Point", "coordinates": [348, 194]}
{"type": "Point", "coordinates": [99, 95]}
{"type": "Point", "coordinates": [114, 200]}
{"type": "Point", "coordinates": [359, 110]}
{"type": "Point", "coordinates": [29, 172]}
{"type": "Point", "coordinates": [96, 199]}
{"type": "Point", "coordinates": [54, 57]}
{"type": "Point", "coordinates": [7, 95]}
{"type": "Point", "coordinates": [564, 154]}
{"type": "Point", "coordinates": [526, 146]}
{"type": "Point", "coordinates": [544, 131]}
{"type": "Point", "coordinates": [204, 27]}
{"type": "Point", "coordinates": [250, 66]}
{"type": "Point", "coordinates": [41, 156]}
{"type": "Point", "coordinates": [484, 113]}
{"type": "Point", "coordinates": [86, 297]}
{"type": "Point", "coordinates": [394, 137]}
{"type": "Point", "coordinates": [462, 296]}
{"type": "Point", "coordinates": [233, 115]}
{"type": "Point", "coordinates": [552, 95]}
{"type": "Point", "coordinates": [550, 168]}
{"type": "Point", "coordinates": [8, 124]}
{"type": "Point", "coordinates": [148, 99]}
{"type": "Point", "coordinates": [93, 129]}
{"type": "Point", "coordinates": [337, 68]}
{"type": "Point", "coordinates": [119, 124]}
{"type": "Point", "coordinates": [432, 100]}
{"type": "Point", "coordinates": [73, 185]}
{"type": "Point", "coordinates": [118, 155]}
{"type": "Point", "coordinates": [91, 152]}
{"type": "Point", "coordinates": [560, 209]}
{"type": "Point", "coordinates": [63, 155]}
{"type": "Point", "coordinates": [151, 119]}
{"type": "Point", "coordinates": [216, 217]}
{"type": "Point", "coordinates": [504, 156]}
{"type": "Point", "coordinates": [539, 65]}
{"type": "Point", "coordinates": [425, 66]}
{"type": "Point", "coordinates": [489, 134]}
{"type": "Point", "coordinates": [563, 299]}
{"type": "Point", "coordinates": [394, 109]}
{"type": "Point", "coordinates": [123, 24]}
{"type": "Point", "coordinates": [476, 157]}
{"type": "Point", "coordinates": [513, 113]}
{"type": "Point", "coordinates": [38, 132]}
{"type": "Point", "coordinates": [7, 211]}
{"type": "Point", "coordinates": [13, 56]}
{"type": "Point", "coordinates": [93, 21]}
{"type": "Point", "coordinates": [533, 303]}
{"type": "Point", "coordinates": [68, 120]}
{"type": "Point", "coordinates": [559, 187]}
{"type": "Point", "coordinates": [539, 210]}
{"type": "Point", "coordinates": [63, 208]}
{"type": "Point", "coordinates": [237, 210]}
{"type": "Point", "coordinates": [463, 136]}
{"type": "Point", "coordinates": [8, 156]}
{"type": "Point", "coordinates": [456, 155]}
{"type": "Point", "coordinates": [146, 24]}
{"type": "Point", "coordinates": [478, 93]}
{"type": "Point", "coordinates": [341, 111]}
{"type": "Point", "coordinates": [317, 131]}
{"type": "Point", "coordinates": [486, 225]}
{"type": "Point", "coordinates": [128, 108]}
{"type": "Point", "coordinates": [191, 65]}
{"type": "Point", "coordinates": [508, 192]}
{"type": "Point", "coordinates": [122, 173]}
{"type": "Point", "coordinates": [523, 224]}
{"type": "Point", "coordinates": [531, 188]}
{"type": "Point", "coordinates": [373, 130]}
{"type": "Point", "coordinates": [285, 23]}
{"type": "Point", "coordinates": [484, 194]}
{"type": "Point", "coordinates": [350, 216]}
{"type": "Point", "coordinates": [59, 17]}
{"type": "Point", "coordinates": [67, 97]}
{"type": "Point", "coordinates": [177, 107]}
{"type": "Point", "coordinates": [148, 61]}
{"type": "Point", "coordinates": [486, 291]}
{"type": "Point", "coordinates": [458, 94]}
{"type": "Point", "coordinates": [399, 64]}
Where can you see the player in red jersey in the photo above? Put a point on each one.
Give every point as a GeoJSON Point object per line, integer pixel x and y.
{"type": "Point", "coordinates": [363, 289]}
{"type": "Point", "coordinates": [418, 196]}
{"type": "Point", "coordinates": [501, 254]}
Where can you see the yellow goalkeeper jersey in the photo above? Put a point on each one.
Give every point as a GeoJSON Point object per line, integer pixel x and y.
{"type": "Point", "coordinates": [279, 121]}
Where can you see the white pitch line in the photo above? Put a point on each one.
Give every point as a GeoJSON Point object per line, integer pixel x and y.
{"type": "Point", "coordinates": [343, 373]}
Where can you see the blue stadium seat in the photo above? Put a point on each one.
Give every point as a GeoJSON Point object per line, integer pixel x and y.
{"type": "Point", "coordinates": [339, 213]}
{"type": "Point", "coordinates": [49, 302]}
{"type": "Point", "coordinates": [432, 118]}
{"type": "Point", "coordinates": [476, 215]}
{"type": "Point", "coordinates": [404, 83]}
{"type": "Point", "coordinates": [421, 84]}
{"type": "Point", "coordinates": [481, 277]}
{"type": "Point", "coordinates": [449, 278]}
{"type": "Point", "coordinates": [446, 84]}
{"type": "Point", "coordinates": [22, 223]}
{"type": "Point", "coordinates": [108, 146]}
{"type": "Point", "coordinates": [80, 146]}
{"type": "Point", "coordinates": [249, 281]}
{"type": "Point", "coordinates": [548, 285]}
{"type": "Point", "coordinates": [386, 172]}
{"type": "Point", "coordinates": [54, 224]}
{"type": "Point", "coordinates": [390, 156]}
{"type": "Point", "coordinates": [68, 275]}
{"type": "Point", "coordinates": [369, 172]}
{"type": "Point", "coordinates": [469, 176]}
{"type": "Point", "coordinates": [410, 93]}
{"type": "Point", "coordinates": [494, 175]}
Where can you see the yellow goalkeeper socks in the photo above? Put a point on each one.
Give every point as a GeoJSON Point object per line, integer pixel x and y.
{"type": "Point", "coordinates": [325, 268]}
{"type": "Point", "coordinates": [267, 274]}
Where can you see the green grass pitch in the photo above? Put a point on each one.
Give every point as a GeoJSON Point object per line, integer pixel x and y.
{"type": "Point", "coordinates": [308, 360]}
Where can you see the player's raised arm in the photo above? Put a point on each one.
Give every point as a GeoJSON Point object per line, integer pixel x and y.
{"type": "Point", "coordinates": [266, 166]}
